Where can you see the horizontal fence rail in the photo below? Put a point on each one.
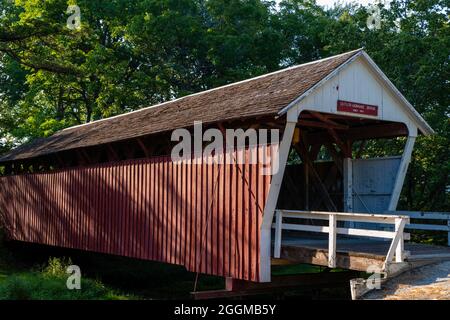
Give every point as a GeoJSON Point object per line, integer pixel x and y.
{"type": "Point", "coordinates": [397, 236]}
{"type": "Point", "coordinates": [421, 215]}
{"type": "Point", "coordinates": [204, 216]}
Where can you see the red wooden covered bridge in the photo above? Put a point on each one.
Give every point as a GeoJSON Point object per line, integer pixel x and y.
{"type": "Point", "coordinates": [110, 186]}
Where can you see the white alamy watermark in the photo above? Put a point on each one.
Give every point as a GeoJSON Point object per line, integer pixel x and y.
{"type": "Point", "coordinates": [230, 146]}
{"type": "Point", "coordinates": [74, 20]}
{"type": "Point", "coordinates": [74, 280]}
{"type": "Point", "coordinates": [374, 19]}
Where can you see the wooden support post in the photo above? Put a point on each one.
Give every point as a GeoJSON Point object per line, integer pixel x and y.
{"type": "Point", "coordinates": [401, 173]}
{"type": "Point", "coordinates": [272, 198]}
{"type": "Point", "coordinates": [332, 241]}
{"type": "Point", "coordinates": [278, 234]}
{"type": "Point", "coordinates": [399, 227]}
{"type": "Point", "coordinates": [348, 184]}
{"type": "Point", "coordinates": [448, 234]}
{"type": "Point", "coordinates": [318, 182]}
{"type": "Point", "coordinates": [400, 246]}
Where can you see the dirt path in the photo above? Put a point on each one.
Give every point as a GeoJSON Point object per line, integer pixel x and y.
{"type": "Point", "coordinates": [430, 282]}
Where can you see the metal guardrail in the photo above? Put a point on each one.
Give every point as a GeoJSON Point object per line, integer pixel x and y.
{"type": "Point", "coordinates": [396, 247]}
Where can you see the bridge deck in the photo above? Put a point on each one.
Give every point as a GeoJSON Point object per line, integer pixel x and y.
{"type": "Point", "coordinates": [355, 254]}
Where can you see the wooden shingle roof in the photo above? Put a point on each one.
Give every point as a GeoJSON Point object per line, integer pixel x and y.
{"type": "Point", "coordinates": [265, 95]}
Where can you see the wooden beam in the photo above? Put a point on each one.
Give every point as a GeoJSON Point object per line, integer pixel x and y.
{"type": "Point", "coordinates": [326, 119]}
{"type": "Point", "coordinates": [316, 124]}
{"type": "Point", "coordinates": [300, 148]}
{"type": "Point", "coordinates": [144, 148]}
{"type": "Point", "coordinates": [342, 145]}
{"type": "Point", "coordinates": [112, 152]}
{"type": "Point", "coordinates": [337, 158]}
{"type": "Point", "coordinates": [390, 130]}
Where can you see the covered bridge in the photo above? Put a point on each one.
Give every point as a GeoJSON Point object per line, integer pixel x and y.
{"type": "Point", "coordinates": [110, 186]}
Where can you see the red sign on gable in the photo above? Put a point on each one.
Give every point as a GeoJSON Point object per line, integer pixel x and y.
{"type": "Point", "coordinates": [359, 108]}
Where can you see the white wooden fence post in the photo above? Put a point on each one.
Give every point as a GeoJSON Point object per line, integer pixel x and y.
{"type": "Point", "coordinates": [332, 241]}
{"type": "Point", "coordinates": [448, 234]}
{"type": "Point", "coordinates": [400, 246]}
{"type": "Point", "coordinates": [278, 230]}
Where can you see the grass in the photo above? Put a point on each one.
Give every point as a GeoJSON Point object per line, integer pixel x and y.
{"type": "Point", "coordinates": [31, 271]}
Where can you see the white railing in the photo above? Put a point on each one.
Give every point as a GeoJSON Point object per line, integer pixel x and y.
{"type": "Point", "coordinates": [398, 236]}
{"type": "Point", "coordinates": [442, 216]}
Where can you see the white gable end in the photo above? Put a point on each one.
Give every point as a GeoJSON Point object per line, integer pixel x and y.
{"type": "Point", "coordinates": [360, 83]}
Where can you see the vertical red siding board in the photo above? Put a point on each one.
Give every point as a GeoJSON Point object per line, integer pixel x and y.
{"type": "Point", "coordinates": [170, 214]}
{"type": "Point", "coordinates": [139, 219]}
{"type": "Point", "coordinates": [51, 204]}
{"type": "Point", "coordinates": [152, 220]}
{"type": "Point", "coordinates": [147, 210]}
{"type": "Point", "coordinates": [220, 219]}
{"type": "Point", "coordinates": [108, 201]}
{"type": "Point", "coordinates": [129, 232]}
{"type": "Point", "coordinates": [133, 219]}
{"type": "Point", "coordinates": [187, 200]}
{"type": "Point", "coordinates": [140, 216]}
{"type": "Point", "coordinates": [260, 207]}
{"type": "Point", "coordinates": [104, 206]}
{"type": "Point", "coordinates": [193, 213]}
{"type": "Point", "coordinates": [233, 212]}
{"type": "Point", "coordinates": [115, 213]}
{"type": "Point", "coordinates": [34, 205]}
{"type": "Point", "coordinates": [227, 215]}
{"type": "Point", "coordinates": [167, 211]}
{"type": "Point", "coordinates": [254, 220]}
{"type": "Point", "coordinates": [144, 240]}
{"type": "Point", "coordinates": [204, 231]}
{"type": "Point", "coordinates": [60, 208]}
{"type": "Point", "coordinates": [182, 195]}
{"type": "Point", "coordinates": [13, 207]}
{"type": "Point", "coordinates": [178, 213]}
{"type": "Point", "coordinates": [247, 220]}
{"type": "Point", "coordinates": [242, 217]}
{"type": "Point", "coordinates": [163, 211]}
{"type": "Point", "coordinates": [160, 218]}
{"type": "Point", "coordinates": [100, 209]}
{"type": "Point", "coordinates": [198, 213]}
{"type": "Point", "coordinates": [122, 207]}
{"type": "Point", "coordinates": [47, 221]}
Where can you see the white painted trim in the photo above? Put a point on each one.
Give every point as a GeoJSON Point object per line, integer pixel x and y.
{"type": "Point", "coordinates": [397, 236]}
{"type": "Point", "coordinates": [399, 226]}
{"type": "Point", "coordinates": [272, 198]}
{"type": "Point", "coordinates": [345, 231]}
{"type": "Point", "coordinates": [278, 228]}
{"type": "Point", "coordinates": [368, 217]}
{"type": "Point", "coordinates": [332, 241]}
{"type": "Point", "coordinates": [415, 116]}
{"type": "Point", "coordinates": [401, 173]}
